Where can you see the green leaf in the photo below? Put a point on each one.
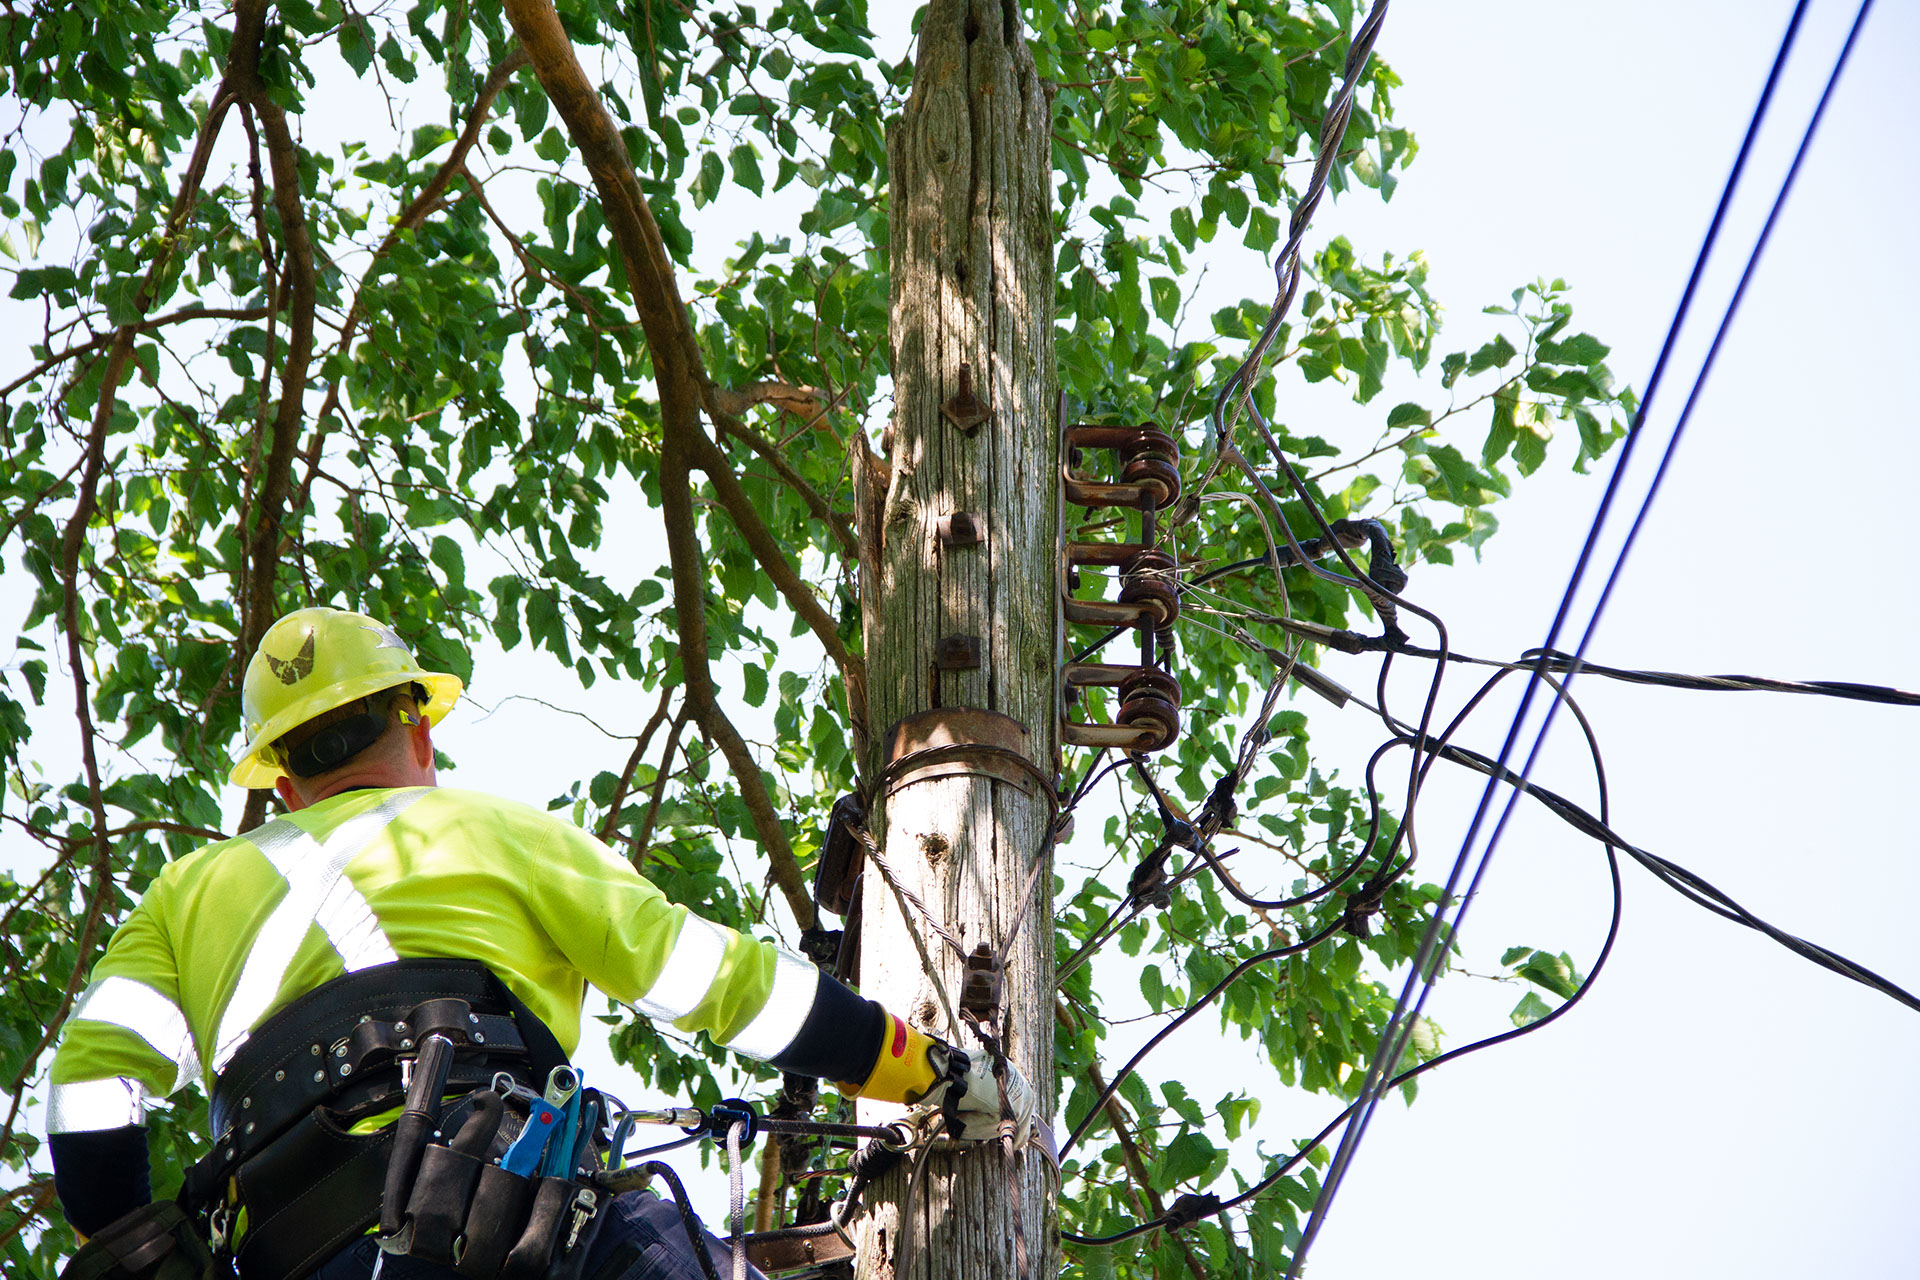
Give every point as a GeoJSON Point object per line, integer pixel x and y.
{"type": "Point", "coordinates": [354, 48]}
{"type": "Point", "coordinates": [1581, 349]}
{"type": "Point", "coordinates": [1530, 1010]}
{"type": "Point", "coordinates": [1403, 415]}
{"type": "Point", "coordinates": [1166, 299]}
{"type": "Point", "coordinates": [1186, 1158]}
{"type": "Point", "coordinates": [1555, 973]}
{"type": "Point", "coordinates": [746, 168]}
{"type": "Point", "coordinates": [1494, 355]}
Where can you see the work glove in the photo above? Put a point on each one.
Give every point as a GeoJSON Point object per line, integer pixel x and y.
{"type": "Point", "coordinates": [976, 1100]}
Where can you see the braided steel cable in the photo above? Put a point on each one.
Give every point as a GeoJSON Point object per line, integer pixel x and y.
{"type": "Point", "coordinates": [1286, 271]}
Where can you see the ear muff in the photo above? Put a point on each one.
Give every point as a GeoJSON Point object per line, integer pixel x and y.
{"type": "Point", "coordinates": [336, 744]}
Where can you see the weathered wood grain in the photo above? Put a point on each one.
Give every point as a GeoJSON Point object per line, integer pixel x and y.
{"type": "Point", "coordinates": [972, 259]}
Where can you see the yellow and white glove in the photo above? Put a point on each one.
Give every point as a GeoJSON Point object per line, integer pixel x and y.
{"type": "Point", "coordinates": [916, 1068]}
{"type": "Point", "coordinates": [974, 1099]}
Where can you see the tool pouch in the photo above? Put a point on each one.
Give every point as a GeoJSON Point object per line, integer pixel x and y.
{"type": "Point", "coordinates": [154, 1242]}
{"type": "Point", "coordinates": [487, 1222]}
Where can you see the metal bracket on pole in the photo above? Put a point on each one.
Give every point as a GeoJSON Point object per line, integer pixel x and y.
{"type": "Point", "coordinates": [1148, 718]}
{"type": "Point", "coordinates": [958, 742]}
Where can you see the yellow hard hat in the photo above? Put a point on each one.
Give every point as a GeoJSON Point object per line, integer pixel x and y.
{"type": "Point", "coordinates": [312, 661]}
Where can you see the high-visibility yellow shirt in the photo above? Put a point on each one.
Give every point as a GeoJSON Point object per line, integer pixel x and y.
{"type": "Point", "coordinates": [231, 933]}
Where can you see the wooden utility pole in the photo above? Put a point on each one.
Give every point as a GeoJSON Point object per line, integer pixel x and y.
{"type": "Point", "coordinates": [959, 544]}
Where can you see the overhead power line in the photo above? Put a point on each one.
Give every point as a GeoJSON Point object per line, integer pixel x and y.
{"type": "Point", "coordinates": [1418, 986]}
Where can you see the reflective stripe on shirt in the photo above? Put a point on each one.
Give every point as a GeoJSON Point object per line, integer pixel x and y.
{"type": "Point", "coordinates": [794, 983]}
{"type": "Point", "coordinates": [689, 972]}
{"type": "Point", "coordinates": [137, 1007]}
{"type": "Point", "coordinates": [89, 1105]}
{"type": "Point", "coordinates": [318, 892]}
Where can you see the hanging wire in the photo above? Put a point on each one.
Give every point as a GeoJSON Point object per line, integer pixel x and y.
{"type": "Point", "coordinates": [1218, 1206]}
{"type": "Point", "coordinates": [1399, 1028]}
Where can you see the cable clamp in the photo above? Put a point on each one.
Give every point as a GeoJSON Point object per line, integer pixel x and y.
{"type": "Point", "coordinates": [1189, 1209]}
{"type": "Point", "coordinates": [722, 1116]}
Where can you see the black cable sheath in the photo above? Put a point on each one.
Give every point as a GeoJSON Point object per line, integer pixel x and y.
{"type": "Point", "coordinates": [1606, 950]}
{"type": "Point", "coordinates": [687, 1219]}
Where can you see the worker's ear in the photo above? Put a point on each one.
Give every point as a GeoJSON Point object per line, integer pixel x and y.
{"type": "Point", "coordinates": [284, 785]}
{"type": "Point", "coordinates": [420, 738]}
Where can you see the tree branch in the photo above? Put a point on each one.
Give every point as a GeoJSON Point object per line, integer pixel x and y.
{"type": "Point", "coordinates": [144, 326]}
{"type": "Point", "coordinates": [37, 1197]}
{"type": "Point", "coordinates": [644, 836]}
{"type": "Point", "coordinates": [680, 381]}
{"type": "Point", "coordinates": [690, 610]}
{"type": "Point", "coordinates": [270, 512]}
{"type": "Point", "coordinates": [633, 763]}
{"type": "Point", "coordinates": [249, 20]}
{"type": "Point", "coordinates": [730, 424]}
{"type": "Point", "coordinates": [1137, 1168]}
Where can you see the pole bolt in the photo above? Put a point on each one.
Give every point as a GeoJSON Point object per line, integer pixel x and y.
{"type": "Point", "coordinates": [957, 653]}
{"type": "Point", "coordinates": [962, 529]}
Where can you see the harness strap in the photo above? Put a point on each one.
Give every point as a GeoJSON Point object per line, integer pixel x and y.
{"type": "Point", "coordinates": [331, 1045]}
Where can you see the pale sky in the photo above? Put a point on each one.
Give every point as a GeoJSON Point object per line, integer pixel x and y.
{"type": "Point", "coordinates": [1717, 1107]}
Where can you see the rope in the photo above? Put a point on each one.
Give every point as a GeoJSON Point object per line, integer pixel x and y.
{"type": "Point", "coordinates": [737, 1191]}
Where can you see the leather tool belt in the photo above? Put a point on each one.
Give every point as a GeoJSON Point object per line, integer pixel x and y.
{"type": "Point", "coordinates": [288, 1182]}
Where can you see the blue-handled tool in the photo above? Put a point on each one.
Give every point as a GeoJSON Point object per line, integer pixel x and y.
{"type": "Point", "coordinates": [560, 1145]}
{"type": "Point", "coordinates": [523, 1157]}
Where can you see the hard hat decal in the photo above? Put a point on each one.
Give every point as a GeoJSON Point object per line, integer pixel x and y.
{"type": "Point", "coordinates": [295, 669]}
{"type": "Point", "coordinates": [386, 638]}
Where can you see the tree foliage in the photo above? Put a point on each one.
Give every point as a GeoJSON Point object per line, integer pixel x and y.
{"type": "Point", "coordinates": [291, 344]}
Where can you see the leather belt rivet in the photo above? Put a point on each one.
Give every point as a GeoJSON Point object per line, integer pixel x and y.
{"type": "Point", "coordinates": [366, 1018]}
{"type": "Point", "coordinates": [245, 1103]}
{"type": "Point", "coordinates": [340, 1050]}
{"type": "Point", "coordinates": [346, 1068]}
{"type": "Point", "coordinates": [249, 1126]}
{"type": "Point", "coordinates": [319, 1077]}
{"type": "Point", "coordinates": [479, 1037]}
{"type": "Point", "coordinates": [315, 1051]}
{"type": "Point", "coordinates": [406, 1044]}
{"type": "Point", "coordinates": [279, 1075]}
{"type": "Point", "coordinates": [401, 1027]}
{"type": "Point", "coordinates": [474, 1018]}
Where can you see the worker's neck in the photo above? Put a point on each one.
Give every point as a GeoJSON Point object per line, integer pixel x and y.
{"type": "Point", "coordinates": [301, 793]}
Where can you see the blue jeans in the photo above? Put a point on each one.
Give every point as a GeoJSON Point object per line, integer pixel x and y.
{"type": "Point", "coordinates": [639, 1218]}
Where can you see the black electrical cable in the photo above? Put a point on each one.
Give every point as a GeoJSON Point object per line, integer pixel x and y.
{"type": "Point", "coordinates": [630, 1156]}
{"type": "Point", "coordinates": [1559, 661]}
{"type": "Point", "coordinates": [1680, 878]}
{"type": "Point", "coordinates": [1335, 880]}
{"type": "Point", "coordinates": [687, 1219]}
{"type": "Point", "coordinates": [1155, 1040]}
{"type": "Point", "coordinates": [1554, 660]}
{"type": "Point", "coordinates": [1392, 1042]}
{"type": "Point", "coordinates": [1452, 1055]}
